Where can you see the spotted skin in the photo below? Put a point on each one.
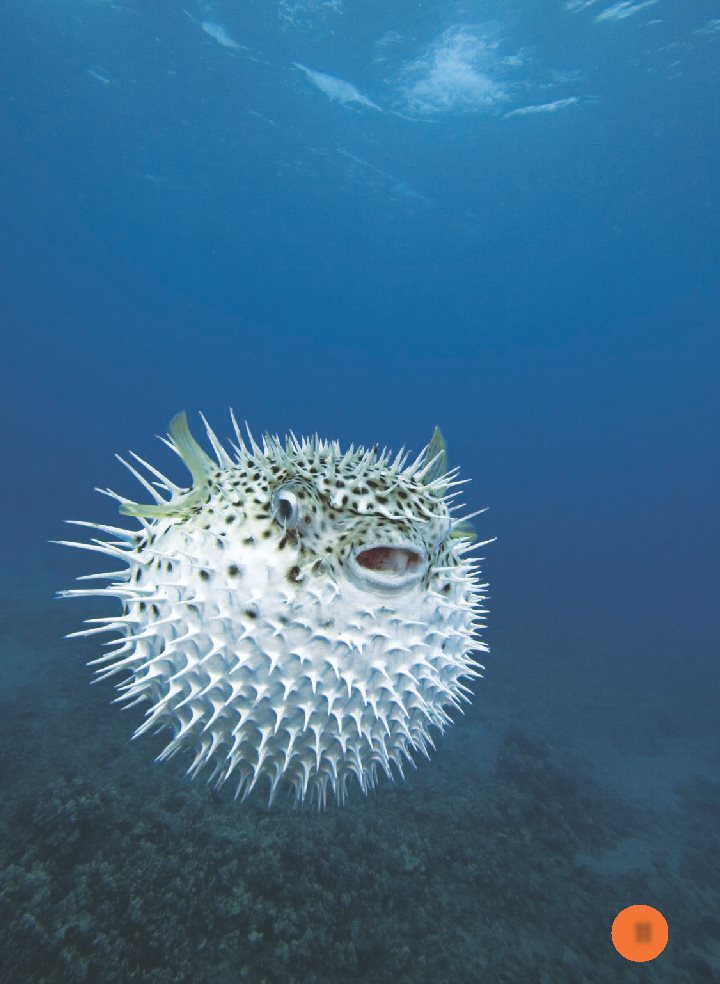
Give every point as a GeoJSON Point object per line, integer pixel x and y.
{"type": "Point", "coordinates": [298, 618]}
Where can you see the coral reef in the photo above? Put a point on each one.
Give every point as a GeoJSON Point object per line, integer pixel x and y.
{"type": "Point", "coordinates": [114, 870]}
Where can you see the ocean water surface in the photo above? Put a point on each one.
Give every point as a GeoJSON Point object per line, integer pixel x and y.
{"type": "Point", "coordinates": [364, 220]}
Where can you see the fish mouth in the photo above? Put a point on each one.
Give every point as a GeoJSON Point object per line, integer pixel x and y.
{"type": "Point", "coordinates": [387, 566]}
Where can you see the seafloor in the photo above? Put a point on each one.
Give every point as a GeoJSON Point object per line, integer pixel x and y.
{"type": "Point", "coordinates": [505, 859]}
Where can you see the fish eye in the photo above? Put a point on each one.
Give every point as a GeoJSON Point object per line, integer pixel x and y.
{"type": "Point", "coordinates": [286, 509]}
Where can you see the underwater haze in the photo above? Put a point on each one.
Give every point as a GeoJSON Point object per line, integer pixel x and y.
{"type": "Point", "coordinates": [363, 220]}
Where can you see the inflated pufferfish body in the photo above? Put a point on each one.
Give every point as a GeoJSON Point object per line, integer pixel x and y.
{"type": "Point", "coordinates": [298, 615]}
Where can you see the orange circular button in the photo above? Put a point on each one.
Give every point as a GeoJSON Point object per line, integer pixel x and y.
{"type": "Point", "coordinates": [640, 933]}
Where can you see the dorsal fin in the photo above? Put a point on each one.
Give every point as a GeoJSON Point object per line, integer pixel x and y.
{"type": "Point", "coordinates": [438, 451]}
{"type": "Point", "coordinates": [198, 462]}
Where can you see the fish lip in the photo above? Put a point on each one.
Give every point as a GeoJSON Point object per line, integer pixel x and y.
{"type": "Point", "coordinates": [387, 580]}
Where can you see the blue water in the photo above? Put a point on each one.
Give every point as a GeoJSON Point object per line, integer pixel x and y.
{"type": "Point", "coordinates": [365, 220]}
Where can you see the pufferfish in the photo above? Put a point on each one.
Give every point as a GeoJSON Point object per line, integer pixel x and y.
{"type": "Point", "coordinates": [298, 617]}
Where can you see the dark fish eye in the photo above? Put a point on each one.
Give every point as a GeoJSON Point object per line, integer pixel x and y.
{"type": "Point", "coordinates": [286, 509]}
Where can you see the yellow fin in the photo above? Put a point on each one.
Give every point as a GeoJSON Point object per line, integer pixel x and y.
{"type": "Point", "coordinates": [198, 462]}
{"type": "Point", "coordinates": [436, 448]}
{"type": "Point", "coordinates": [164, 510]}
{"type": "Point", "coordinates": [199, 465]}
{"type": "Point", "coordinates": [463, 530]}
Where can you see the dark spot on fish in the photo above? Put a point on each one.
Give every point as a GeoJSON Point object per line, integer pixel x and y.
{"type": "Point", "coordinates": [155, 610]}
{"type": "Point", "coordinates": [233, 570]}
{"type": "Point", "coordinates": [204, 576]}
{"type": "Point", "coordinates": [251, 612]}
{"type": "Point", "coordinates": [249, 540]}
